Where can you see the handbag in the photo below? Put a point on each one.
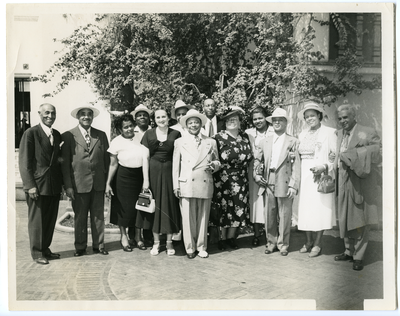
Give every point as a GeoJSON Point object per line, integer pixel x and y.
{"type": "Point", "coordinates": [145, 202]}
{"type": "Point", "coordinates": [326, 184]}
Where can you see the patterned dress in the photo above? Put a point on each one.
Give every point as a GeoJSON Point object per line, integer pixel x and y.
{"type": "Point", "coordinates": [231, 194]}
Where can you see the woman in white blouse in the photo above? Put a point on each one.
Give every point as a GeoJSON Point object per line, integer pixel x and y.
{"type": "Point", "coordinates": [126, 179]}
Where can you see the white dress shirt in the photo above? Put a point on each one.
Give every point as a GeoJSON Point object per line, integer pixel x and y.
{"type": "Point", "coordinates": [276, 149]}
{"type": "Point", "coordinates": [49, 132]}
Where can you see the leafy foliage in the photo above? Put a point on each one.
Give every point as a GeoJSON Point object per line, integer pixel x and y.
{"type": "Point", "coordinates": [243, 59]}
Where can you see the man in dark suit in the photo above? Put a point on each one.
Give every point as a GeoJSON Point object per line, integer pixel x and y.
{"type": "Point", "coordinates": [277, 172]}
{"type": "Point", "coordinates": [85, 163]}
{"type": "Point", "coordinates": [357, 157]}
{"type": "Point", "coordinates": [40, 170]}
{"type": "Point", "coordinates": [213, 124]}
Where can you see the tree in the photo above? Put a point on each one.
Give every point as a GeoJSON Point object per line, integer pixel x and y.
{"type": "Point", "coordinates": [244, 59]}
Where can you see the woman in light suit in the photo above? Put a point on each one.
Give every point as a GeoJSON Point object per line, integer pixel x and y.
{"type": "Point", "coordinates": [316, 210]}
{"type": "Point", "coordinates": [195, 159]}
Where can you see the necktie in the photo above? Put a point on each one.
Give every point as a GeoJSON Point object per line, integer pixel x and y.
{"type": "Point", "coordinates": [211, 131]}
{"type": "Point", "coordinates": [51, 138]}
{"type": "Point", "coordinates": [198, 141]}
{"type": "Point", "coordinates": [345, 141]}
{"type": "Point", "coordinates": [87, 138]}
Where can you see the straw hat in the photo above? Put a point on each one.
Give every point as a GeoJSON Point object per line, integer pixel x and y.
{"type": "Point", "coordinates": [180, 104]}
{"type": "Point", "coordinates": [193, 113]}
{"type": "Point", "coordinates": [310, 106]}
{"type": "Point", "coordinates": [95, 111]}
{"type": "Point", "coordinates": [141, 108]}
{"type": "Point", "coordinates": [279, 112]}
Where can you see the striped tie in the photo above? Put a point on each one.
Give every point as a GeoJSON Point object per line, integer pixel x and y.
{"type": "Point", "coordinates": [51, 138]}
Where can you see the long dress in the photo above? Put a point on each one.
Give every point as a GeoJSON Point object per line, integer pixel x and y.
{"type": "Point", "coordinates": [128, 180]}
{"type": "Point", "coordinates": [166, 219]}
{"type": "Point", "coordinates": [316, 210]}
{"type": "Point", "coordinates": [256, 201]}
{"type": "Point", "coordinates": [231, 192]}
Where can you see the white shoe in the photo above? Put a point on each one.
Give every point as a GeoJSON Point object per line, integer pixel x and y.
{"type": "Point", "coordinates": [203, 254]}
{"type": "Point", "coordinates": [177, 236]}
{"type": "Point", "coordinates": [155, 250]}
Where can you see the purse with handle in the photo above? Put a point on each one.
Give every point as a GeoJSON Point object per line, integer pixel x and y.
{"type": "Point", "coordinates": [326, 184]}
{"type": "Point", "coordinates": [145, 202]}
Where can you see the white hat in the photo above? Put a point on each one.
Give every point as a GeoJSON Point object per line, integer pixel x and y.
{"type": "Point", "coordinates": [180, 104]}
{"type": "Point", "coordinates": [193, 113]}
{"type": "Point", "coordinates": [310, 106]}
{"type": "Point", "coordinates": [141, 108]}
{"type": "Point", "coordinates": [278, 112]}
{"type": "Point", "coordinates": [232, 110]}
{"type": "Point", "coordinates": [95, 111]}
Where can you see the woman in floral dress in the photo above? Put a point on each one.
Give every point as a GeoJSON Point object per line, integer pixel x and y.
{"type": "Point", "coordinates": [231, 192]}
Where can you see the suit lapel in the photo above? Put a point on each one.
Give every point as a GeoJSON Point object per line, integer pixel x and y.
{"type": "Point", "coordinates": [287, 145]}
{"type": "Point", "coordinates": [79, 139]}
{"type": "Point", "coordinates": [354, 138]}
{"type": "Point", "coordinates": [268, 151]}
{"type": "Point", "coordinates": [189, 145]}
{"type": "Point", "coordinates": [94, 135]}
{"type": "Point", "coordinates": [205, 147]}
{"type": "Point", "coordinates": [44, 142]}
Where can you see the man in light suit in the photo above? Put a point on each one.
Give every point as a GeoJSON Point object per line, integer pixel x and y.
{"type": "Point", "coordinates": [277, 171]}
{"type": "Point", "coordinates": [357, 157]}
{"type": "Point", "coordinates": [85, 163]}
{"type": "Point", "coordinates": [39, 165]}
{"type": "Point", "coordinates": [195, 159]}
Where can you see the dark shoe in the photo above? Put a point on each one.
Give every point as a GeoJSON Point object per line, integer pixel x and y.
{"type": "Point", "coordinates": [221, 245]}
{"type": "Point", "coordinates": [101, 251]}
{"type": "Point", "coordinates": [270, 249]}
{"type": "Point", "coordinates": [51, 255]}
{"type": "Point", "coordinates": [132, 243]}
{"type": "Point", "coordinates": [126, 248]}
{"type": "Point", "coordinates": [255, 242]}
{"type": "Point", "coordinates": [343, 257]}
{"type": "Point", "coordinates": [79, 253]}
{"type": "Point", "coordinates": [141, 245]}
{"type": "Point", "coordinates": [232, 243]}
{"type": "Point", "coordinates": [358, 265]}
{"type": "Point", "coordinates": [191, 255]}
{"type": "Point", "coordinates": [42, 261]}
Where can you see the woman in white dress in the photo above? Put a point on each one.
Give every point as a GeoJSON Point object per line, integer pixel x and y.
{"type": "Point", "coordinates": [256, 134]}
{"type": "Point", "coordinates": [316, 210]}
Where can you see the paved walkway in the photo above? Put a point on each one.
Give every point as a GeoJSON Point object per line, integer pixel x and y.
{"type": "Point", "coordinates": [243, 274]}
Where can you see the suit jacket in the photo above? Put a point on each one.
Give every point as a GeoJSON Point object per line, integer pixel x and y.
{"type": "Point", "coordinates": [39, 162]}
{"type": "Point", "coordinates": [85, 169]}
{"type": "Point", "coordinates": [326, 143]}
{"type": "Point", "coordinates": [189, 164]}
{"type": "Point", "coordinates": [287, 174]}
{"type": "Point", "coordinates": [358, 175]}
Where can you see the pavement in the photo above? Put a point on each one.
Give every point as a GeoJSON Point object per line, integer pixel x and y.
{"type": "Point", "coordinates": [245, 278]}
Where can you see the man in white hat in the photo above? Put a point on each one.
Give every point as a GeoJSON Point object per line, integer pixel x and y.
{"type": "Point", "coordinates": [277, 171]}
{"type": "Point", "coordinates": [180, 110]}
{"type": "Point", "coordinates": [141, 114]}
{"type": "Point", "coordinates": [195, 159]}
{"type": "Point", "coordinates": [85, 163]}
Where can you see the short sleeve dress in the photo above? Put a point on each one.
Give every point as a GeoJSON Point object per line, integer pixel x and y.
{"type": "Point", "coordinates": [166, 219]}
{"type": "Point", "coordinates": [231, 192]}
{"type": "Point", "coordinates": [128, 180]}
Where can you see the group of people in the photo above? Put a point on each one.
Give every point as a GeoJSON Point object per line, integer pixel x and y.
{"type": "Point", "coordinates": [203, 172]}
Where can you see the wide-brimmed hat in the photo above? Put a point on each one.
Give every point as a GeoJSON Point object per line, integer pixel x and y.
{"type": "Point", "coordinates": [180, 104]}
{"type": "Point", "coordinates": [141, 108]}
{"type": "Point", "coordinates": [278, 112]}
{"type": "Point", "coordinates": [232, 110]}
{"type": "Point", "coordinates": [193, 113]}
{"type": "Point", "coordinates": [95, 111]}
{"type": "Point", "coordinates": [310, 106]}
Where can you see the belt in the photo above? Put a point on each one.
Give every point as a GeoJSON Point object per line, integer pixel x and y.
{"type": "Point", "coordinates": [161, 159]}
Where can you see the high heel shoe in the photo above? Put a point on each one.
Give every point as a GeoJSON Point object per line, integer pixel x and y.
{"type": "Point", "coordinates": [170, 249]}
{"type": "Point", "coordinates": [156, 249]}
{"type": "Point", "coordinates": [232, 243]}
{"type": "Point", "coordinates": [126, 248]}
{"type": "Point", "coordinates": [140, 245]}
